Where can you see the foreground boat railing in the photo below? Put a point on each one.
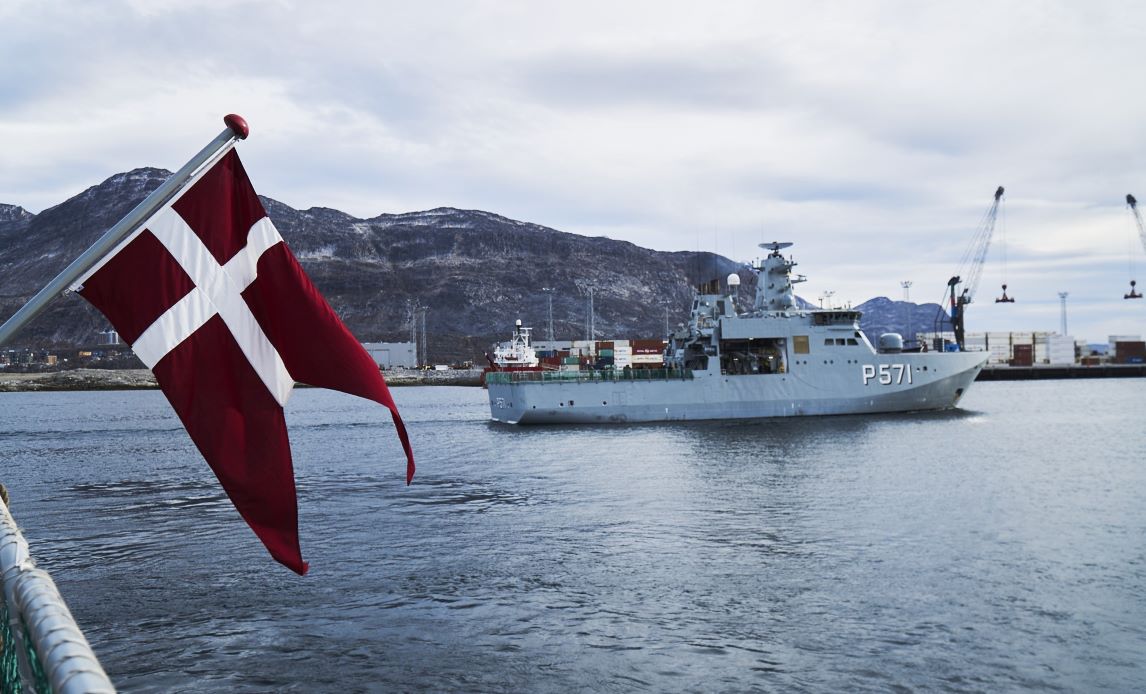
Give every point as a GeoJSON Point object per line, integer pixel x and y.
{"type": "Point", "coordinates": [586, 376]}
{"type": "Point", "coordinates": [41, 648]}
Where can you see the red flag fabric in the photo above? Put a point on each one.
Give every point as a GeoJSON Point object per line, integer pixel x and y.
{"type": "Point", "coordinates": [213, 301]}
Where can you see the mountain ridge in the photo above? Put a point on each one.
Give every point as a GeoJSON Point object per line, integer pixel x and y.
{"type": "Point", "coordinates": [474, 271]}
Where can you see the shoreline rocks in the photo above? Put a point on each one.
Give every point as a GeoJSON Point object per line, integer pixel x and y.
{"type": "Point", "coordinates": [78, 379]}
{"type": "Point", "coordinates": [143, 379]}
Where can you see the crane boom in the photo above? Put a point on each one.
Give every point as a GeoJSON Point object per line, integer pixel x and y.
{"type": "Point", "coordinates": [971, 267]}
{"type": "Point", "coordinates": [1133, 203]}
{"type": "Point", "coordinates": [977, 251]}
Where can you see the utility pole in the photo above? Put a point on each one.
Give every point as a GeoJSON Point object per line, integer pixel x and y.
{"type": "Point", "coordinates": [549, 293]}
{"type": "Point", "coordinates": [590, 328]}
{"type": "Point", "coordinates": [906, 284]}
{"type": "Point", "coordinates": [412, 309]}
{"type": "Point", "coordinates": [1062, 297]}
{"type": "Point", "coordinates": [425, 347]}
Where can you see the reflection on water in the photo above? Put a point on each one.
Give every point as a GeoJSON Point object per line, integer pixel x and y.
{"type": "Point", "coordinates": [994, 547]}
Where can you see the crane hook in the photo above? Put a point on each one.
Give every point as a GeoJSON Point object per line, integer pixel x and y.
{"type": "Point", "coordinates": [1133, 294]}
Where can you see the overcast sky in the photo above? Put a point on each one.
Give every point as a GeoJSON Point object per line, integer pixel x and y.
{"type": "Point", "coordinates": [871, 134]}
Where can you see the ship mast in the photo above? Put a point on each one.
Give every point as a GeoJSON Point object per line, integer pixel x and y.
{"type": "Point", "coordinates": [774, 284]}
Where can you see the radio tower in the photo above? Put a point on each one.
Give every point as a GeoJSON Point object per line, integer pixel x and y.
{"type": "Point", "coordinates": [423, 356]}
{"type": "Point", "coordinates": [590, 326]}
{"type": "Point", "coordinates": [416, 315]}
{"type": "Point", "coordinates": [549, 293]}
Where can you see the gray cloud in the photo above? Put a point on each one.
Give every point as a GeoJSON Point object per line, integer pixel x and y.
{"type": "Point", "coordinates": [871, 133]}
{"type": "Point", "coordinates": [715, 78]}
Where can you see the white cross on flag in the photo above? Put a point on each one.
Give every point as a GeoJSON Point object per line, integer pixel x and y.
{"type": "Point", "coordinates": [214, 303]}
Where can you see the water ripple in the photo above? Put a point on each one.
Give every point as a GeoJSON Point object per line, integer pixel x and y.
{"type": "Point", "coordinates": [932, 552]}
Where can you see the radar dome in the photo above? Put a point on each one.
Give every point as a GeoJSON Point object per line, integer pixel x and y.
{"type": "Point", "coordinates": [891, 343]}
{"type": "Point", "coordinates": [734, 280]}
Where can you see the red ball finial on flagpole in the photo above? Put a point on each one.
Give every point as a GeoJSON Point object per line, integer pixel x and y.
{"type": "Point", "coordinates": [237, 125]}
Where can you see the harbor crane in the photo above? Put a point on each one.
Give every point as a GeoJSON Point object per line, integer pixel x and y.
{"type": "Point", "coordinates": [971, 266]}
{"type": "Point", "coordinates": [1132, 203]}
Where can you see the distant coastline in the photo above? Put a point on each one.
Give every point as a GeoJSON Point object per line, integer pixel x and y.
{"type": "Point", "coordinates": [1060, 371]}
{"type": "Point", "coordinates": [78, 379]}
{"type": "Point", "coordinates": [143, 379]}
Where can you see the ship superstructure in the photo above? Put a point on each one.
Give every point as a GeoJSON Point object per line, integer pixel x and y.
{"type": "Point", "coordinates": [517, 354]}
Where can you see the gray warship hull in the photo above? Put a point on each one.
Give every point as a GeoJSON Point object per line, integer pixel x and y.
{"type": "Point", "coordinates": [775, 359]}
{"type": "Point", "coordinates": [879, 384]}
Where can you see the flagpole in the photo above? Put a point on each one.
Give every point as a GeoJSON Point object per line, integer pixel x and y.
{"type": "Point", "coordinates": [236, 130]}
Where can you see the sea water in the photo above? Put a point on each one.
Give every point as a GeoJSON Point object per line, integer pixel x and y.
{"type": "Point", "coordinates": [997, 547]}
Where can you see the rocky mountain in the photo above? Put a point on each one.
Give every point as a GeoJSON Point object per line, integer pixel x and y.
{"type": "Point", "coordinates": [882, 315]}
{"type": "Point", "coordinates": [11, 217]}
{"type": "Point", "coordinates": [473, 272]}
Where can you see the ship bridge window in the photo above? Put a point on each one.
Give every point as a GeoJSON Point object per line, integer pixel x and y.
{"type": "Point", "coordinates": [852, 341]}
{"type": "Point", "coordinates": [835, 317]}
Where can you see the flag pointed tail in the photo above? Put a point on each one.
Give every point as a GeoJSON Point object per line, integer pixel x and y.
{"type": "Point", "coordinates": [240, 429]}
{"type": "Point", "coordinates": [315, 345]}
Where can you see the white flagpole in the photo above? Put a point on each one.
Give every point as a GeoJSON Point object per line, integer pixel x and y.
{"type": "Point", "coordinates": [236, 130]}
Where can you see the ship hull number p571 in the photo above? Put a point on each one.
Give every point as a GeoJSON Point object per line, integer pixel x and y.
{"type": "Point", "coordinates": [887, 374]}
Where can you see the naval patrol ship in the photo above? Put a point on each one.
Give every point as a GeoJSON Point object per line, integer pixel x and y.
{"type": "Point", "coordinates": [776, 360]}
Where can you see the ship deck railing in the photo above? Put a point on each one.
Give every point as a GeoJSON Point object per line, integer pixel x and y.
{"type": "Point", "coordinates": [588, 376]}
{"type": "Point", "coordinates": [41, 647]}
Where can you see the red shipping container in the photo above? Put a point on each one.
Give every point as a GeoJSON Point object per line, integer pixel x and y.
{"type": "Point", "coordinates": [1023, 355]}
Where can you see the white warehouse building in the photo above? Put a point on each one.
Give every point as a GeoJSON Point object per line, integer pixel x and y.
{"type": "Point", "coordinates": [390, 355]}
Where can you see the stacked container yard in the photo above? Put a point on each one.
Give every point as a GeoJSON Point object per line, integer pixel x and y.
{"type": "Point", "coordinates": [622, 354]}
{"type": "Point", "coordinates": [1061, 349]}
{"type": "Point", "coordinates": [1023, 355]}
{"type": "Point", "coordinates": [648, 354]}
{"type": "Point", "coordinates": [1130, 352]}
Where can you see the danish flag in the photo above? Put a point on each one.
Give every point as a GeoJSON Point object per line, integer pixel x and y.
{"type": "Point", "coordinates": [215, 304]}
